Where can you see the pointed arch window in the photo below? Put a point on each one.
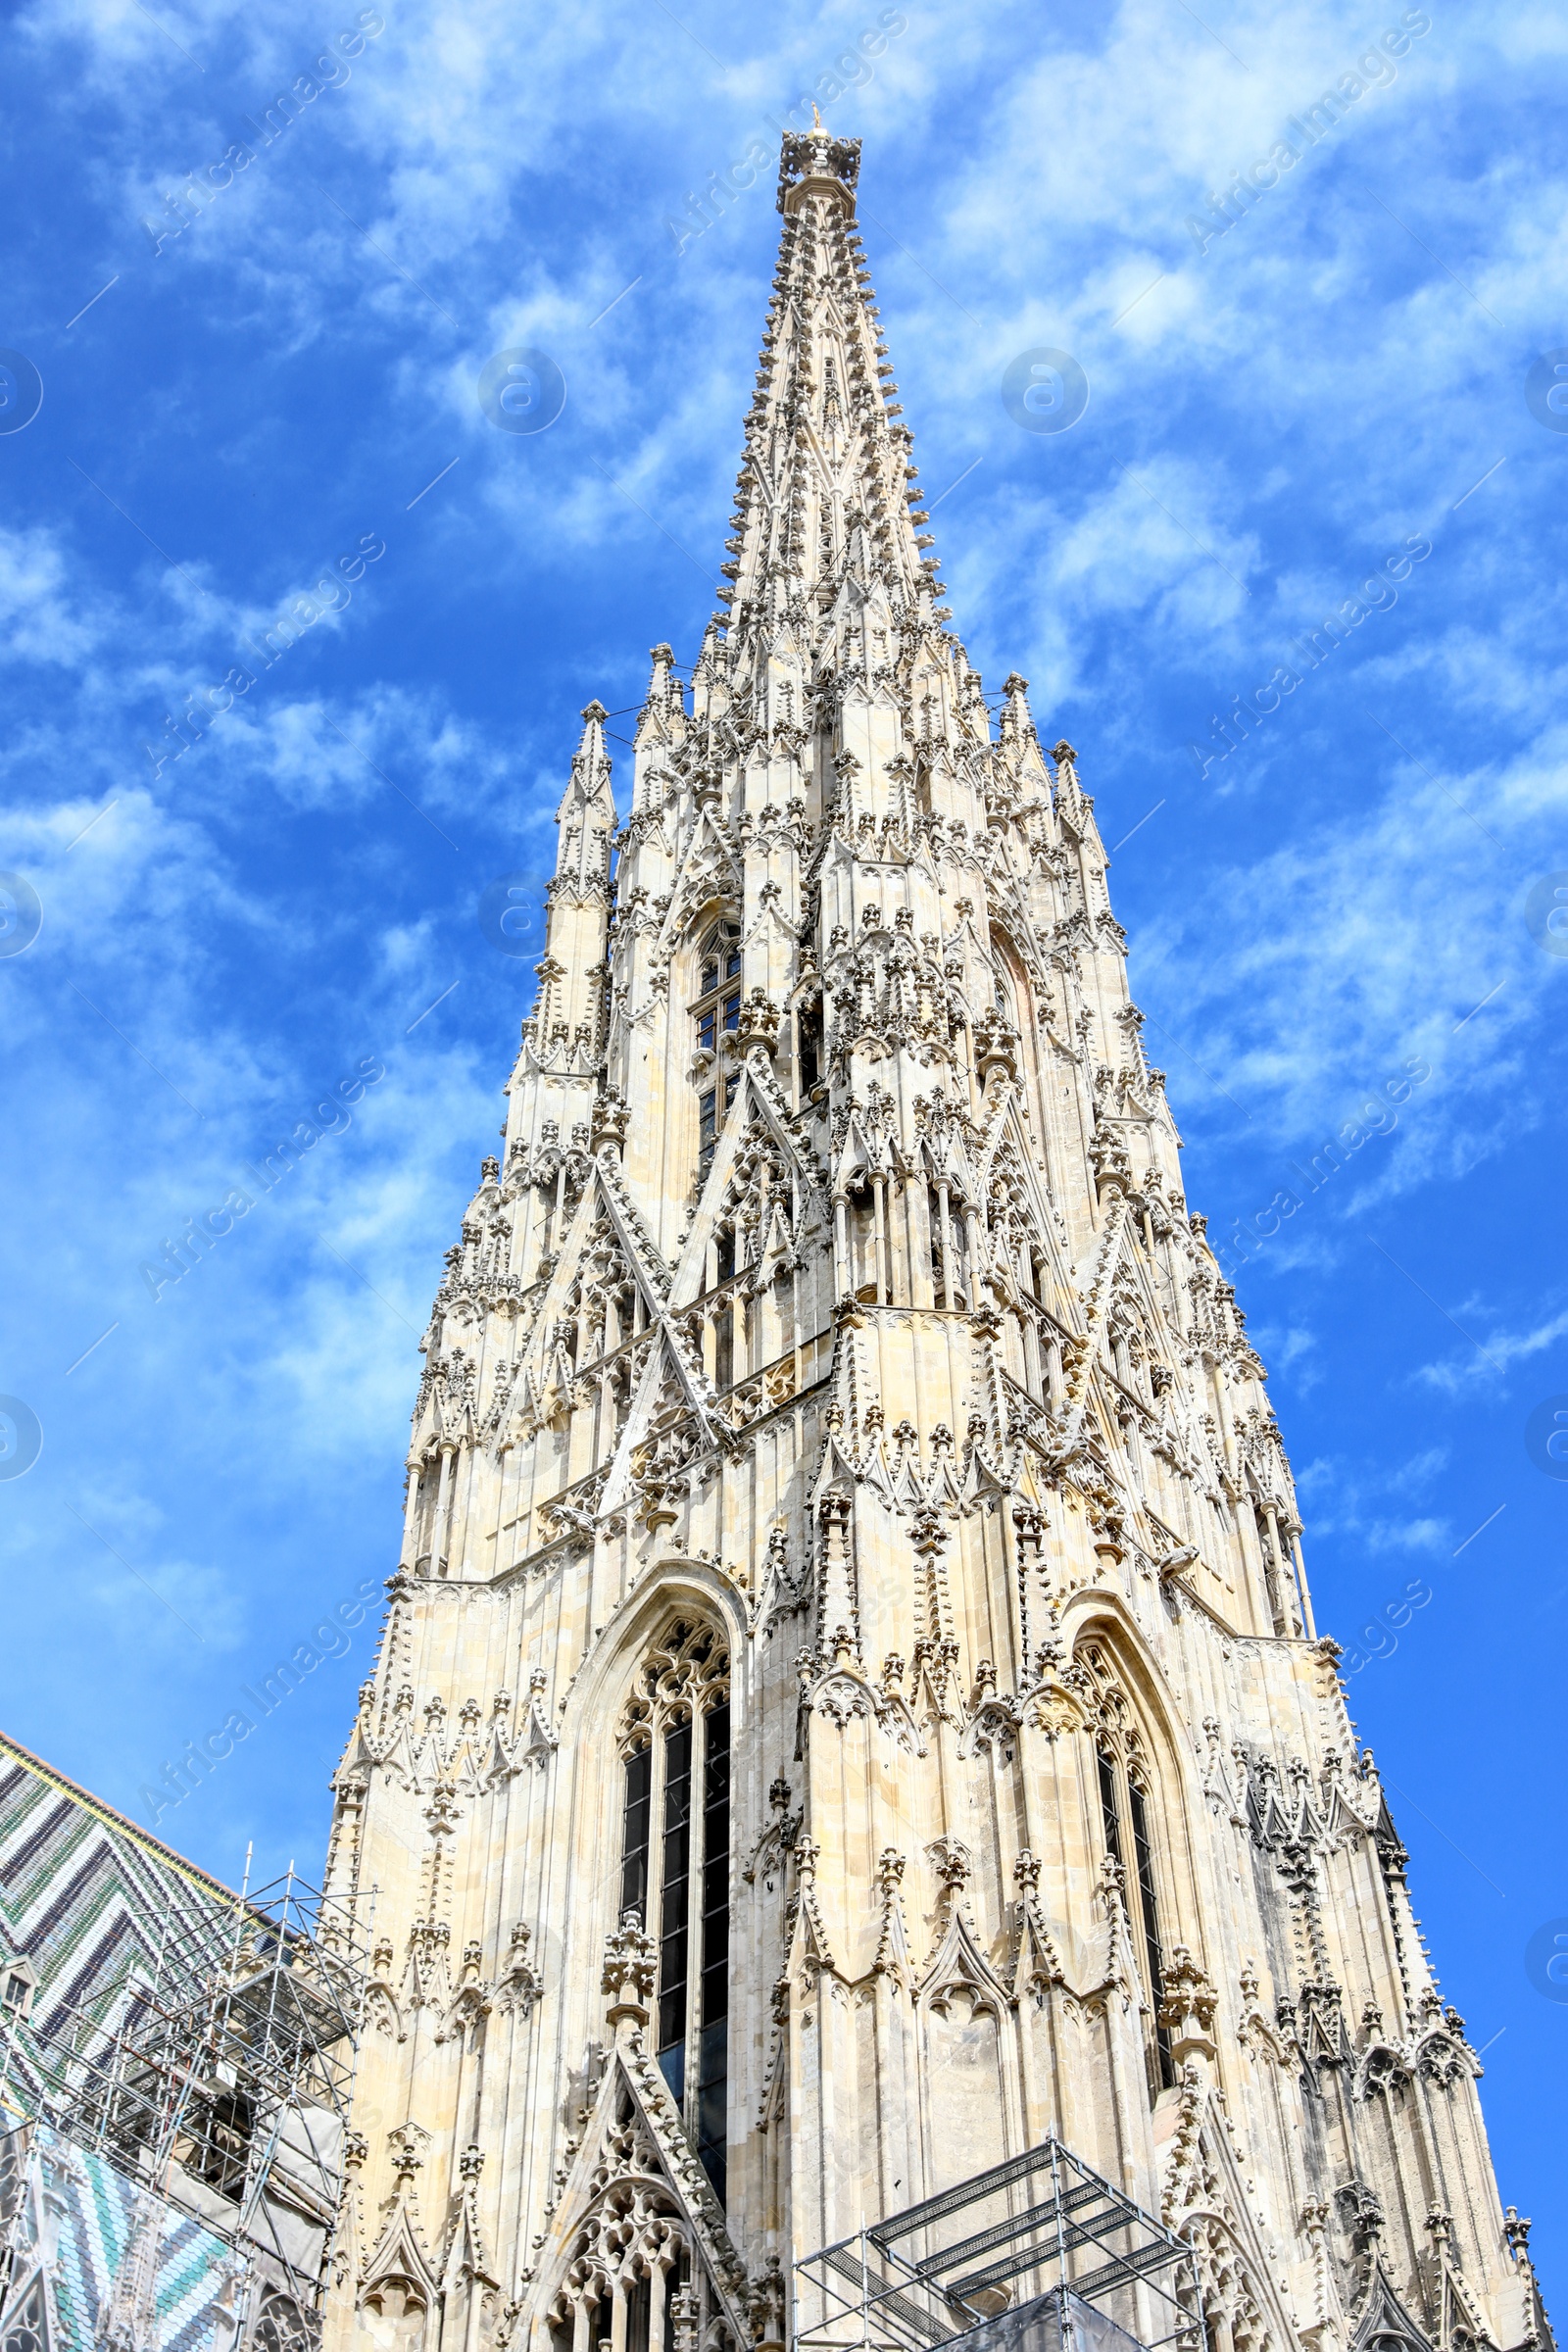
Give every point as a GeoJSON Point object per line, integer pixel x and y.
{"type": "Point", "coordinates": [675, 1868]}
{"type": "Point", "coordinates": [717, 1002]}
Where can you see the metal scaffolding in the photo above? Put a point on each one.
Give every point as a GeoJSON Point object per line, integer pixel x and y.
{"type": "Point", "coordinates": [223, 2085]}
{"type": "Point", "coordinates": [1037, 2255]}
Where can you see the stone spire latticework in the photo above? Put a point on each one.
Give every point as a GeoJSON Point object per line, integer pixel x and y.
{"type": "Point", "coordinates": [850, 1694]}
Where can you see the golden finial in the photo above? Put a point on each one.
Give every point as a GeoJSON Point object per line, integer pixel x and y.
{"type": "Point", "coordinates": [816, 120]}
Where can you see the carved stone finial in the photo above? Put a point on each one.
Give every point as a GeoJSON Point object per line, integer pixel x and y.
{"type": "Point", "coordinates": [1516, 2230]}
{"type": "Point", "coordinates": [950, 1858]}
{"type": "Point", "coordinates": [628, 1972]}
{"type": "Point", "coordinates": [1186, 2008]}
{"type": "Point", "coordinates": [1363, 2211]}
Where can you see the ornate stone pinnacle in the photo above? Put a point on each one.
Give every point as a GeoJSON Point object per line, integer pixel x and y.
{"type": "Point", "coordinates": [1186, 2008]}
{"type": "Point", "coordinates": [627, 1977]}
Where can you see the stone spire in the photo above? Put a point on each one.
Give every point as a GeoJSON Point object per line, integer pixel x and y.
{"type": "Point", "coordinates": [831, 1395]}
{"type": "Point", "coordinates": [825, 494]}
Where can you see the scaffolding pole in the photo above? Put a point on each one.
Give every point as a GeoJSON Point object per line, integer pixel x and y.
{"type": "Point", "coordinates": [223, 2083]}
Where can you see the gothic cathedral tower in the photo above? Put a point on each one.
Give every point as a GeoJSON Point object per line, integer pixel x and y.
{"type": "Point", "coordinates": [850, 1705]}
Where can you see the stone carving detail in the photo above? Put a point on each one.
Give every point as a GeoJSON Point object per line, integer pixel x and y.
{"type": "Point", "coordinates": [830, 1336]}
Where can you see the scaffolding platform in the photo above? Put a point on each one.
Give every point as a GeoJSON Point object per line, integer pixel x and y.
{"type": "Point", "coordinates": [1039, 2254]}
{"type": "Point", "coordinates": [218, 2093]}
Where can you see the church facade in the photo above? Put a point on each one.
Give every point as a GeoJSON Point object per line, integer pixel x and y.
{"type": "Point", "coordinates": [850, 1705]}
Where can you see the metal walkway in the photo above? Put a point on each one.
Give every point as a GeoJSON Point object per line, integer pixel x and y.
{"type": "Point", "coordinates": [1040, 2253]}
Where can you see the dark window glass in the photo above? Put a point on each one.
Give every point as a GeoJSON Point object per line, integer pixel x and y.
{"type": "Point", "coordinates": [707, 1129]}
{"type": "Point", "coordinates": [715, 1863]}
{"type": "Point", "coordinates": [635, 1824]}
{"type": "Point", "coordinates": [809, 1033]}
{"type": "Point", "coordinates": [673, 1901]}
{"type": "Point", "coordinates": [1145, 1865]}
{"type": "Point", "coordinates": [720, 964]}
{"type": "Point", "coordinates": [713, 2086]}
{"type": "Point", "coordinates": [724, 1350]}
{"type": "Point", "coordinates": [724, 1256]}
{"type": "Point", "coordinates": [639, 2311]}
{"type": "Point", "coordinates": [1110, 1817]}
{"type": "Point", "coordinates": [692, 1923]}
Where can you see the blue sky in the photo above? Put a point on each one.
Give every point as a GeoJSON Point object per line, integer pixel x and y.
{"type": "Point", "coordinates": [1277, 412]}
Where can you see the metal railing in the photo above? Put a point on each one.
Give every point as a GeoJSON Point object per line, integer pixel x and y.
{"type": "Point", "coordinates": [1041, 2236]}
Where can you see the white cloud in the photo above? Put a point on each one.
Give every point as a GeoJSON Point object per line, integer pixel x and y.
{"type": "Point", "coordinates": [1495, 1352]}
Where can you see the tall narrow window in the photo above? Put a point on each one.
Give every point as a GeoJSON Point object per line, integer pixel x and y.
{"type": "Point", "coordinates": [635, 1822]}
{"type": "Point", "coordinates": [676, 1863]}
{"type": "Point", "coordinates": [674, 1937]}
{"type": "Point", "coordinates": [718, 1003]}
{"type": "Point", "coordinates": [1110, 1814]}
{"type": "Point", "coordinates": [808, 1035]}
{"type": "Point", "coordinates": [1145, 1866]}
{"type": "Point", "coordinates": [1141, 1903]}
{"type": "Point", "coordinates": [639, 2312]}
{"type": "Point", "coordinates": [948, 1284]}
{"type": "Point", "coordinates": [713, 2049]}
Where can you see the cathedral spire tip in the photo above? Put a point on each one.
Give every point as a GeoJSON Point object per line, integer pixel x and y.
{"type": "Point", "coordinates": [813, 163]}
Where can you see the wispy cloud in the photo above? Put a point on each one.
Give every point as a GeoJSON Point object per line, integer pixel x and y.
{"type": "Point", "coordinates": [1466, 1369]}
